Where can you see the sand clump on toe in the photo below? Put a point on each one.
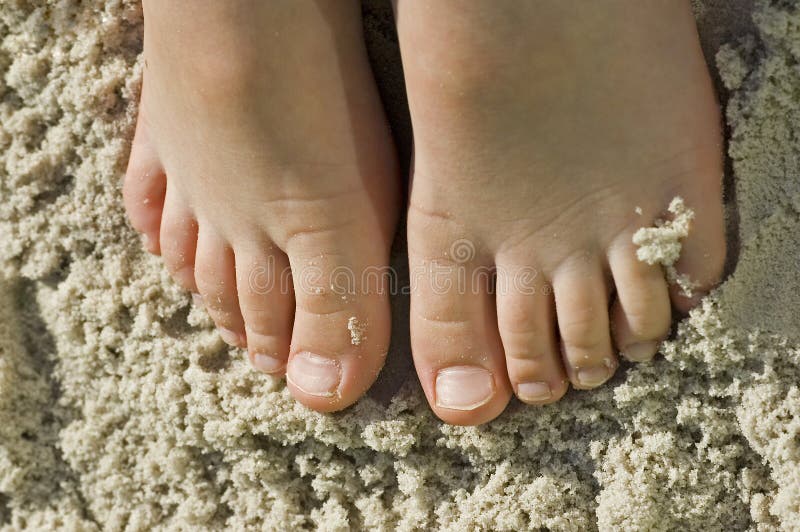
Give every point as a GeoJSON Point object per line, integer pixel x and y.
{"type": "Point", "coordinates": [120, 408]}
{"type": "Point", "coordinates": [661, 244]}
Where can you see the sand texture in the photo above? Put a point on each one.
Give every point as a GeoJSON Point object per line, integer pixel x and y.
{"type": "Point", "coordinates": [120, 408]}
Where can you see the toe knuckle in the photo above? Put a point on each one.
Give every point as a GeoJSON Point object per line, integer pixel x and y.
{"type": "Point", "coordinates": [582, 332]}
{"type": "Point", "coordinates": [590, 348]}
{"type": "Point", "coordinates": [521, 322]}
{"type": "Point", "coordinates": [260, 321]}
{"type": "Point", "coordinates": [525, 354]}
{"type": "Point", "coordinates": [651, 321]}
{"type": "Point", "coordinates": [321, 303]}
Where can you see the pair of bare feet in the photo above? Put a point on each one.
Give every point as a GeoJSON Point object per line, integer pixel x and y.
{"type": "Point", "coordinates": [262, 148]}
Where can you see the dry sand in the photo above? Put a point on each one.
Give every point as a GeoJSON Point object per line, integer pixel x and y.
{"type": "Point", "coordinates": [121, 409]}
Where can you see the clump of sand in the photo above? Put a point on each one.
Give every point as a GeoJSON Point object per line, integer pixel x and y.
{"type": "Point", "coordinates": [662, 244]}
{"type": "Point", "coordinates": [121, 408]}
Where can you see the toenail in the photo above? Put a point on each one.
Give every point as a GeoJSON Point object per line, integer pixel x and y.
{"type": "Point", "coordinates": [592, 377]}
{"type": "Point", "coordinates": [534, 391]}
{"type": "Point", "coordinates": [314, 374]}
{"type": "Point", "coordinates": [463, 387]}
{"type": "Point", "coordinates": [230, 337]}
{"type": "Point", "coordinates": [198, 300]}
{"type": "Point", "coordinates": [641, 352]}
{"type": "Point", "coordinates": [267, 363]}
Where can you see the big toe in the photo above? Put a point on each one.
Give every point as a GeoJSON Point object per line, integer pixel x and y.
{"type": "Point", "coordinates": [342, 319]}
{"type": "Point", "coordinates": [456, 345]}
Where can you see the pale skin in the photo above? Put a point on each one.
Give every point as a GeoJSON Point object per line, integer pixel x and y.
{"type": "Point", "coordinates": [539, 127]}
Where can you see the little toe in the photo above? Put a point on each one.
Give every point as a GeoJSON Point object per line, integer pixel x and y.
{"type": "Point", "coordinates": [144, 188]}
{"type": "Point", "coordinates": [457, 349]}
{"type": "Point", "coordinates": [582, 307]}
{"type": "Point", "coordinates": [266, 300]}
{"type": "Point", "coordinates": [526, 320]}
{"type": "Point", "coordinates": [215, 276]}
{"type": "Point", "coordinates": [342, 318]}
{"type": "Point", "coordinates": [641, 314]}
{"type": "Point", "coordinates": [178, 240]}
{"type": "Point", "coordinates": [703, 252]}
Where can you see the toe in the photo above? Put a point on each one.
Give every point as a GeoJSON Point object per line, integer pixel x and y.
{"type": "Point", "coordinates": [266, 300]}
{"type": "Point", "coordinates": [582, 310]}
{"type": "Point", "coordinates": [144, 188]}
{"type": "Point", "coordinates": [526, 320]}
{"type": "Point", "coordinates": [215, 276]}
{"type": "Point", "coordinates": [342, 323]}
{"type": "Point", "coordinates": [702, 257]}
{"type": "Point", "coordinates": [641, 314]}
{"type": "Point", "coordinates": [178, 240]}
{"type": "Point", "coordinates": [457, 349]}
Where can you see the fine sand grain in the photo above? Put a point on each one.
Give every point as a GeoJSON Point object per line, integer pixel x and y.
{"type": "Point", "coordinates": [358, 330]}
{"type": "Point", "coordinates": [120, 408]}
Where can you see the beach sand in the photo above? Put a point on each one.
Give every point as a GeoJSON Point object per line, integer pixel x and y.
{"type": "Point", "coordinates": [120, 408]}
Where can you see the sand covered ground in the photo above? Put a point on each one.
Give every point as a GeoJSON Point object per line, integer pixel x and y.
{"type": "Point", "coordinates": [120, 408]}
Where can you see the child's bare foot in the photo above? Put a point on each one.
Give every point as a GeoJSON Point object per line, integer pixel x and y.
{"type": "Point", "coordinates": [262, 145]}
{"type": "Point", "coordinates": [539, 128]}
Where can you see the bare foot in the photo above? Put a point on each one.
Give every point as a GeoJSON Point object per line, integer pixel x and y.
{"type": "Point", "coordinates": [546, 133]}
{"type": "Point", "coordinates": [261, 147]}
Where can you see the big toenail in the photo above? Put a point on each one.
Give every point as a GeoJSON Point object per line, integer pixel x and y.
{"type": "Point", "coordinates": [314, 374]}
{"type": "Point", "coordinates": [592, 377]}
{"type": "Point", "coordinates": [267, 363]}
{"type": "Point", "coordinates": [229, 337]}
{"type": "Point", "coordinates": [534, 391]}
{"type": "Point", "coordinates": [463, 387]}
{"type": "Point", "coordinates": [640, 352]}
{"type": "Point", "coordinates": [198, 300]}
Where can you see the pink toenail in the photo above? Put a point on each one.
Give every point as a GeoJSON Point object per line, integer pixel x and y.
{"type": "Point", "coordinates": [463, 387]}
{"type": "Point", "coordinates": [268, 363]}
{"type": "Point", "coordinates": [534, 391]}
{"type": "Point", "coordinates": [641, 352]}
{"type": "Point", "coordinates": [229, 337]}
{"type": "Point", "coordinates": [314, 374]}
{"type": "Point", "coordinates": [592, 377]}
